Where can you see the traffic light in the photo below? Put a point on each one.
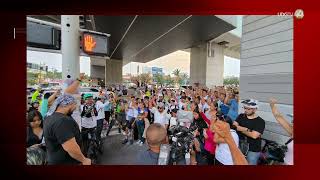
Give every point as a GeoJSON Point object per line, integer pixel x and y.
{"type": "Point", "coordinates": [95, 44]}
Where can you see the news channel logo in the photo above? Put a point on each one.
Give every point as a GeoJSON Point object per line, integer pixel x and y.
{"type": "Point", "coordinates": [299, 14]}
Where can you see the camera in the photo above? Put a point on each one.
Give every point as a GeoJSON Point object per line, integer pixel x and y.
{"type": "Point", "coordinates": [88, 111]}
{"type": "Point", "coordinates": [180, 141]}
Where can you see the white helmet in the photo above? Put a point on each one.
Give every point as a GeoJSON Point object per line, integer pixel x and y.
{"type": "Point", "coordinates": [250, 103]}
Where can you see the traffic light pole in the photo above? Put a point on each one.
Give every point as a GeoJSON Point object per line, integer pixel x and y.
{"type": "Point", "coordinates": [70, 46]}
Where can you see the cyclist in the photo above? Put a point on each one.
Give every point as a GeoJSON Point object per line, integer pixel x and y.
{"type": "Point", "coordinates": [88, 121]}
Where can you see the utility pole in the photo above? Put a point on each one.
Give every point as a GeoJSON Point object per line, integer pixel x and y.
{"type": "Point", "coordinates": [39, 76]}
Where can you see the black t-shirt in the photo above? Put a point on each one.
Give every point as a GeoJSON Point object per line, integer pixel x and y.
{"type": "Point", "coordinates": [32, 139]}
{"type": "Point", "coordinates": [59, 128]}
{"type": "Point", "coordinates": [256, 124]}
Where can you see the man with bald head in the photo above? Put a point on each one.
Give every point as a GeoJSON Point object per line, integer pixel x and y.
{"type": "Point", "coordinates": [156, 135]}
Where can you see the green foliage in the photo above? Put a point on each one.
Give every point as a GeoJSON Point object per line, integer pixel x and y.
{"type": "Point", "coordinates": [231, 80]}
{"type": "Point", "coordinates": [159, 78]}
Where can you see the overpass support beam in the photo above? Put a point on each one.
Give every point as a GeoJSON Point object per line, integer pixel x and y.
{"type": "Point", "coordinates": [206, 68]}
{"type": "Point", "coordinates": [113, 71]}
{"type": "Point", "coordinates": [70, 46]}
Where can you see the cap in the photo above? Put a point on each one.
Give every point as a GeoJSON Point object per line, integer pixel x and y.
{"type": "Point", "coordinates": [250, 103]}
{"type": "Point", "coordinates": [88, 95]}
{"type": "Point", "coordinates": [160, 104]}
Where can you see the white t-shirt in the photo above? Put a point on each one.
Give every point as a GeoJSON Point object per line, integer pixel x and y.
{"type": "Point", "coordinates": [161, 118]}
{"type": "Point", "coordinates": [181, 105]}
{"type": "Point", "coordinates": [130, 112]}
{"type": "Point", "coordinates": [288, 159]}
{"type": "Point", "coordinates": [204, 106]}
{"type": "Point", "coordinates": [100, 109]}
{"type": "Point", "coordinates": [88, 122]}
{"type": "Point", "coordinates": [135, 113]}
{"type": "Point", "coordinates": [223, 153]}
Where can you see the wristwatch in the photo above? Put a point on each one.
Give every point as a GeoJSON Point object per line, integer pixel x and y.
{"type": "Point", "coordinates": [79, 80]}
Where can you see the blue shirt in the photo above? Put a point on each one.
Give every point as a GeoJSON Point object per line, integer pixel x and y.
{"type": "Point", "coordinates": [233, 111]}
{"type": "Point", "coordinates": [224, 109]}
{"type": "Point", "coordinates": [107, 107]}
{"type": "Point", "coordinates": [44, 107]}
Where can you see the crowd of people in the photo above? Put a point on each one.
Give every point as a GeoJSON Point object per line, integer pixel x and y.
{"type": "Point", "coordinates": [60, 124]}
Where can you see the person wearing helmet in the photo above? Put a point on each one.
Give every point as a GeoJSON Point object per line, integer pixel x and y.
{"type": "Point", "coordinates": [35, 95]}
{"type": "Point", "coordinates": [89, 115]}
{"type": "Point", "coordinates": [250, 127]}
{"type": "Point", "coordinates": [34, 106]}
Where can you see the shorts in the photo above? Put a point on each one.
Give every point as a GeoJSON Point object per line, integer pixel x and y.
{"type": "Point", "coordinates": [121, 118]}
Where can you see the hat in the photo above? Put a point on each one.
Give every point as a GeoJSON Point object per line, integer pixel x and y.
{"type": "Point", "coordinates": [88, 95]}
{"type": "Point", "coordinates": [62, 100]}
{"type": "Point", "coordinates": [160, 104]}
{"type": "Point", "coordinates": [250, 103]}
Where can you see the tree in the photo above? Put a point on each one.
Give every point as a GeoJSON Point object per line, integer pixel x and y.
{"type": "Point", "coordinates": [177, 74]}
{"type": "Point", "coordinates": [134, 79]}
{"type": "Point", "coordinates": [32, 78]}
{"type": "Point", "coordinates": [54, 74]}
{"type": "Point", "coordinates": [184, 79]}
{"type": "Point", "coordinates": [169, 81]}
{"type": "Point", "coordinates": [159, 79]}
{"type": "Point", "coordinates": [232, 80]}
{"type": "Point", "coordinates": [145, 78]}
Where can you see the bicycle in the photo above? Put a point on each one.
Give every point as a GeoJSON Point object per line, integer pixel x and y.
{"type": "Point", "coordinates": [272, 153]}
{"type": "Point", "coordinates": [90, 145]}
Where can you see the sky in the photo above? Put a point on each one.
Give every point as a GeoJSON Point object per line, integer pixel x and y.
{"type": "Point", "coordinates": [181, 60]}
{"type": "Point", "coordinates": [54, 60]}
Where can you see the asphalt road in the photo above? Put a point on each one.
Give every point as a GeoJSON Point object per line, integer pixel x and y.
{"type": "Point", "coordinates": [116, 153]}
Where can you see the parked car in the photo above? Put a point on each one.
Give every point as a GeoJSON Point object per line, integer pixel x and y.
{"type": "Point", "coordinates": [93, 91]}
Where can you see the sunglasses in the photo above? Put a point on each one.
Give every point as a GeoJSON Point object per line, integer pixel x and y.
{"type": "Point", "coordinates": [247, 108]}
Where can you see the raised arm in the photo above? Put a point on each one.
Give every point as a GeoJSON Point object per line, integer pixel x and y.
{"type": "Point", "coordinates": [53, 97]}
{"type": "Point", "coordinates": [204, 117]}
{"type": "Point", "coordinates": [223, 130]}
{"type": "Point", "coordinates": [75, 85]}
{"type": "Point", "coordinates": [281, 120]}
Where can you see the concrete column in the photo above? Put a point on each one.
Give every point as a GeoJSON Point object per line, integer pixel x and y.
{"type": "Point", "coordinates": [207, 70]}
{"type": "Point", "coordinates": [70, 46]}
{"type": "Point", "coordinates": [97, 68]}
{"type": "Point", "coordinates": [113, 71]}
